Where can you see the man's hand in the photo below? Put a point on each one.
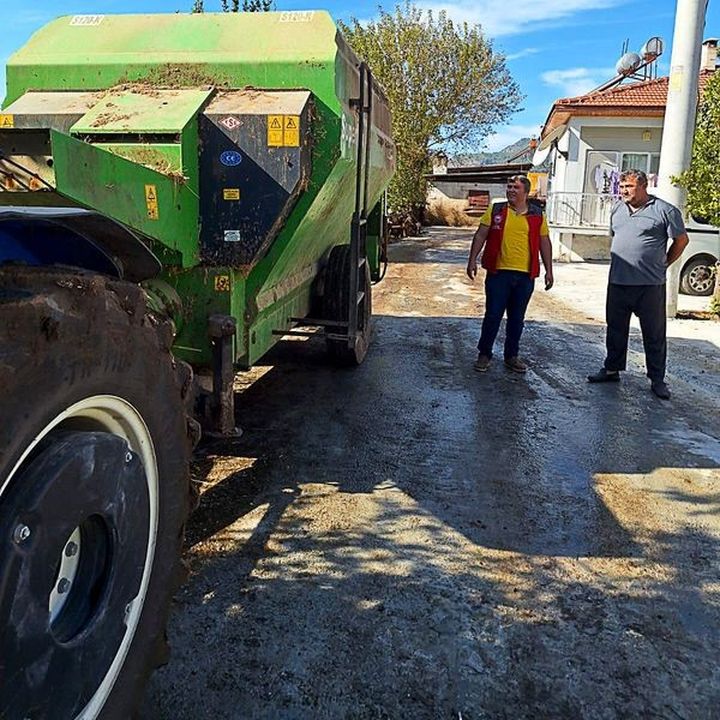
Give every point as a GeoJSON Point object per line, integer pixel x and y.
{"type": "Point", "coordinates": [549, 280]}
{"type": "Point", "coordinates": [478, 242]}
{"type": "Point", "coordinates": [676, 249]}
{"type": "Point", "coordinates": [471, 269]}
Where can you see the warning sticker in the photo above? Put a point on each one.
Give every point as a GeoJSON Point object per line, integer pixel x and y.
{"type": "Point", "coordinates": [291, 130]}
{"type": "Point", "coordinates": [7, 121]}
{"type": "Point", "coordinates": [230, 122]}
{"type": "Point", "coordinates": [275, 131]}
{"type": "Point", "coordinates": [222, 283]}
{"type": "Point", "coordinates": [283, 131]}
{"type": "Point", "coordinates": [231, 193]}
{"type": "Point", "coordinates": [151, 200]}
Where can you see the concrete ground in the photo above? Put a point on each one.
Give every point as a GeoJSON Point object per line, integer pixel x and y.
{"type": "Point", "coordinates": [412, 539]}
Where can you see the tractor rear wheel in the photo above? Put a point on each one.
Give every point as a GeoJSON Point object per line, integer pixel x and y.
{"type": "Point", "coordinates": [336, 300]}
{"type": "Point", "coordinates": [94, 493]}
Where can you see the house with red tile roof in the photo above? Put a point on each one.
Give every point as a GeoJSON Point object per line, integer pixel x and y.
{"type": "Point", "coordinates": [589, 140]}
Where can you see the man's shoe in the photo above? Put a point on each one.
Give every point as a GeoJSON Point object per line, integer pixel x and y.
{"type": "Point", "coordinates": [604, 375]}
{"type": "Point", "coordinates": [660, 389]}
{"type": "Point", "coordinates": [482, 363]}
{"type": "Point", "coordinates": [516, 365]}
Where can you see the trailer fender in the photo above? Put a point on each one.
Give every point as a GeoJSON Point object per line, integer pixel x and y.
{"type": "Point", "coordinates": [74, 237]}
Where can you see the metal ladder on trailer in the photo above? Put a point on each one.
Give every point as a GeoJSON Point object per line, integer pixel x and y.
{"type": "Point", "coordinates": [358, 226]}
{"type": "Point", "coordinates": [346, 330]}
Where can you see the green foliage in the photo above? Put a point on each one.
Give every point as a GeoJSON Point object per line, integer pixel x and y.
{"type": "Point", "coordinates": [701, 178]}
{"type": "Point", "coordinates": [258, 5]}
{"type": "Point", "coordinates": [445, 85]}
{"type": "Point", "coordinates": [235, 6]}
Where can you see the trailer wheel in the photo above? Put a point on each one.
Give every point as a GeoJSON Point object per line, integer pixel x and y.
{"type": "Point", "coordinates": [335, 307]}
{"type": "Point", "coordinates": [94, 493]}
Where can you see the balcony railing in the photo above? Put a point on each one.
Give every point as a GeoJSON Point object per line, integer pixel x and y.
{"type": "Point", "coordinates": [579, 210]}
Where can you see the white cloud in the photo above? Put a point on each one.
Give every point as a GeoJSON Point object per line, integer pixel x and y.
{"type": "Point", "coordinates": [576, 81]}
{"type": "Point", "coordinates": [522, 53]}
{"type": "Point", "coordinates": [508, 135]}
{"type": "Point", "coordinates": [497, 20]}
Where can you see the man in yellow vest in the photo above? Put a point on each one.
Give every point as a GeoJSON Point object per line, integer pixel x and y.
{"type": "Point", "coordinates": [513, 236]}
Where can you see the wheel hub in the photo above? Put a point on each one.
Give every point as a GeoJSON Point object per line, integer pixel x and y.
{"type": "Point", "coordinates": [700, 279]}
{"type": "Point", "coordinates": [72, 527]}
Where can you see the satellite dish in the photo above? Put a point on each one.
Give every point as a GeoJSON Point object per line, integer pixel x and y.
{"type": "Point", "coordinates": [540, 156]}
{"type": "Point", "coordinates": [628, 63]}
{"type": "Point", "coordinates": [652, 49]}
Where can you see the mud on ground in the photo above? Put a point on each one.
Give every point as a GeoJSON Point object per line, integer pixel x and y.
{"type": "Point", "coordinates": [412, 539]}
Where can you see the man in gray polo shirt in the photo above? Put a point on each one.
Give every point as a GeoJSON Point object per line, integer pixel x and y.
{"type": "Point", "coordinates": [640, 226]}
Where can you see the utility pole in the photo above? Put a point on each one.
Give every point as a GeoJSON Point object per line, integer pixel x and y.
{"type": "Point", "coordinates": [679, 124]}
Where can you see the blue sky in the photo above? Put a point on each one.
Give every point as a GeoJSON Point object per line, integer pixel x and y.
{"type": "Point", "coordinates": [554, 48]}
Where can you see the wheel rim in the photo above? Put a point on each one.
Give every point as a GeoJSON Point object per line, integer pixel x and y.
{"type": "Point", "coordinates": [700, 279]}
{"type": "Point", "coordinates": [108, 415]}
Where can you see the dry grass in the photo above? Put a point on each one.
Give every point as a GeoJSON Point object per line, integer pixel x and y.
{"type": "Point", "coordinates": [449, 212]}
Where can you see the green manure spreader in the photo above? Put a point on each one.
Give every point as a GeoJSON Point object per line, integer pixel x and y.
{"type": "Point", "coordinates": [177, 193]}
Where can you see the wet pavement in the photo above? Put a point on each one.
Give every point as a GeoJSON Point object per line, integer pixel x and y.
{"type": "Point", "coordinates": [412, 539]}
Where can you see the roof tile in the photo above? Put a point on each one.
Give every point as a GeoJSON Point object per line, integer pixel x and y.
{"type": "Point", "coordinates": [644, 94]}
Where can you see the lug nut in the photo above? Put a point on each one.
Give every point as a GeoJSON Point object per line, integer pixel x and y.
{"type": "Point", "coordinates": [71, 549]}
{"type": "Point", "coordinates": [63, 585]}
{"type": "Point", "coordinates": [21, 533]}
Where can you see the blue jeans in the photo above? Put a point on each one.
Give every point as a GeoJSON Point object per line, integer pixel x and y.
{"type": "Point", "coordinates": [505, 290]}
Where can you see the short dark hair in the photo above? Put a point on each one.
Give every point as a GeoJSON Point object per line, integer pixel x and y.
{"type": "Point", "coordinates": [521, 179]}
{"type": "Point", "coordinates": [639, 175]}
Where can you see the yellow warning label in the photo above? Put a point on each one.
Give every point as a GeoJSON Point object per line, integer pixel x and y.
{"type": "Point", "coordinates": [231, 193]}
{"type": "Point", "coordinates": [275, 131]}
{"type": "Point", "coordinates": [151, 201]}
{"type": "Point", "coordinates": [7, 121]}
{"type": "Point", "coordinates": [222, 283]}
{"type": "Point", "coordinates": [676, 78]}
{"type": "Point", "coordinates": [291, 130]}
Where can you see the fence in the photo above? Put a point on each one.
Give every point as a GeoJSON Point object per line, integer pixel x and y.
{"type": "Point", "coordinates": [579, 210]}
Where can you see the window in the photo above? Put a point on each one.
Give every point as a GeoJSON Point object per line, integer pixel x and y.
{"type": "Point", "coordinates": [649, 163]}
{"type": "Point", "coordinates": [603, 168]}
{"type": "Point", "coordinates": [634, 161]}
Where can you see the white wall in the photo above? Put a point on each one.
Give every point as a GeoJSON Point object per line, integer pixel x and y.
{"type": "Point", "coordinates": [459, 190]}
{"type": "Point", "coordinates": [585, 133]}
{"type": "Point", "coordinates": [624, 134]}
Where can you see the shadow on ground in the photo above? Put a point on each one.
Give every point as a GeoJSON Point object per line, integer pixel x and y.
{"type": "Point", "coordinates": [412, 539]}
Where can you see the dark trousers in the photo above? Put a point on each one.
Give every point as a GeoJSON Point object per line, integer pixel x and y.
{"type": "Point", "coordinates": [505, 291]}
{"type": "Point", "coordinates": [648, 303]}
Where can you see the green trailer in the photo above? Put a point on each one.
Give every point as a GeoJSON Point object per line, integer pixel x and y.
{"type": "Point", "coordinates": [177, 193]}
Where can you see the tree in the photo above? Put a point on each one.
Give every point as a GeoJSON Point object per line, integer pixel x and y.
{"type": "Point", "coordinates": [700, 178]}
{"type": "Point", "coordinates": [235, 6]}
{"type": "Point", "coordinates": [446, 87]}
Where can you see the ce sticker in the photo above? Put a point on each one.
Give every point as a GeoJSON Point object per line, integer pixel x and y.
{"type": "Point", "coordinates": [230, 158]}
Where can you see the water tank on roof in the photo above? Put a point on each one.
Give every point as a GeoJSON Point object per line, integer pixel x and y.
{"type": "Point", "coordinates": [628, 63]}
{"type": "Point", "coordinates": [652, 49]}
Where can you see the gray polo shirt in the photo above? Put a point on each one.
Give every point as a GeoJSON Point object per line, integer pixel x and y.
{"type": "Point", "coordinates": [639, 241]}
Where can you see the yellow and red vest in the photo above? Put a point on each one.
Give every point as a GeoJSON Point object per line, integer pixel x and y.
{"type": "Point", "coordinates": [494, 240]}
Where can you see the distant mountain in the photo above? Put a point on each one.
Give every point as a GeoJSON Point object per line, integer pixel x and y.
{"type": "Point", "coordinates": [491, 158]}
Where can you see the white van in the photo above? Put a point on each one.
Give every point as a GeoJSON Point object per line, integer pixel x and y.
{"type": "Point", "coordinates": [699, 257]}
